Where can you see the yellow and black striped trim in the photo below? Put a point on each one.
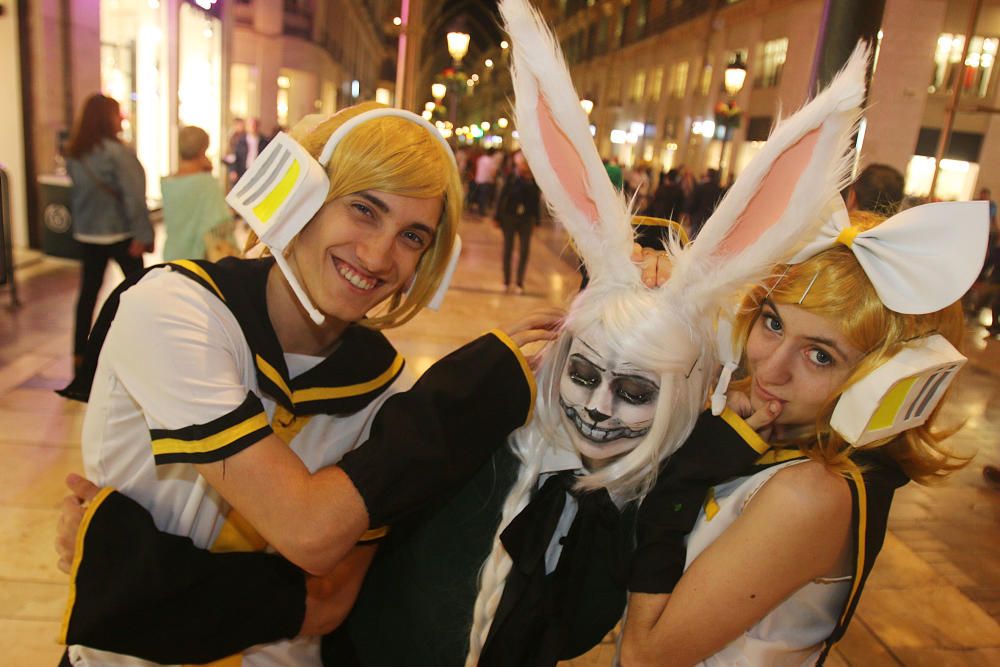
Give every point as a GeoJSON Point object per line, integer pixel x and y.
{"type": "Point", "coordinates": [743, 429]}
{"type": "Point", "coordinates": [374, 536]}
{"type": "Point", "coordinates": [861, 534]}
{"type": "Point", "coordinates": [81, 534]}
{"type": "Point", "coordinates": [377, 383]}
{"type": "Point", "coordinates": [194, 270]}
{"type": "Point", "coordinates": [215, 440]}
{"type": "Point", "coordinates": [529, 376]}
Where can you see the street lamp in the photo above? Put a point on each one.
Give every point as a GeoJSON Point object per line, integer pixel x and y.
{"type": "Point", "coordinates": [727, 114]}
{"type": "Point", "coordinates": [438, 91]}
{"type": "Point", "coordinates": [458, 45]}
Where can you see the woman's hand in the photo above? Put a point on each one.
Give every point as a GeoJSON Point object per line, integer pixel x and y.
{"type": "Point", "coordinates": [655, 265]}
{"type": "Point", "coordinates": [330, 598]}
{"type": "Point", "coordinates": [73, 508]}
{"type": "Point", "coordinates": [538, 326]}
{"type": "Point", "coordinates": [760, 420]}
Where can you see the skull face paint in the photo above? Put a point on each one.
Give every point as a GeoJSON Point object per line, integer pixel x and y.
{"type": "Point", "coordinates": [607, 404]}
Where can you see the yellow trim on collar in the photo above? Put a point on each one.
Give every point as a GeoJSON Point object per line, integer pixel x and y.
{"type": "Point", "coordinates": [201, 273]}
{"type": "Point", "coordinates": [847, 235]}
{"type": "Point", "coordinates": [211, 443]}
{"type": "Point", "coordinates": [525, 368]}
{"type": "Point", "coordinates": [374, 534]}
{"type": "Point", "coordinates": [859, 484]}
{"type": "Point", "coordinates": [779, 456]}
{"type": "Point", "coordinates": [273, 375]}
{"type": "Point", "coordinates": [81, 533]}
{"type": "Point", "coordinates": [744, 431]}
{"type": "Point", "coordinates": [326, 393]}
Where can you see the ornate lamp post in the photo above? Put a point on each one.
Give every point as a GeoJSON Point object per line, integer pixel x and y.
{"type": "Point", "coordinates": [727, 113]}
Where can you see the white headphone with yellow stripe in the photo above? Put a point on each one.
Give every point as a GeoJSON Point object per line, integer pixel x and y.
{"type": "Point", "coordinates": [285, 187]}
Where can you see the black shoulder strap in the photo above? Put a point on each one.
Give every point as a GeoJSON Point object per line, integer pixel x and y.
{"type": "Point", "coordinates": [872, 490]}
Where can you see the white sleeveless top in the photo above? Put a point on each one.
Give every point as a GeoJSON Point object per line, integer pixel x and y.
{"type": "Point", "coordinates": [793, 632]}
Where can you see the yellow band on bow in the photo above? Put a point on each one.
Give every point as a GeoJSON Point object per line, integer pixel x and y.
{"type": "Point", "coordinates": [847, 235]}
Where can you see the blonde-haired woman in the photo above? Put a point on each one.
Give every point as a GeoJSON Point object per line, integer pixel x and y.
{"type": "Point", "coordinates": [221, 395]}
{"type": "Point", "coordinates": [778, 558]}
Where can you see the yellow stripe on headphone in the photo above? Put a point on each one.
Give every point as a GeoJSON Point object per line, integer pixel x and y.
{"type": "Point", "coordinates": [887, 411]}
{"type": "Point", "coordinates": [278, 195]}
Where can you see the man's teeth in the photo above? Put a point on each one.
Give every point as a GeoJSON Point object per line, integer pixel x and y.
{"type": "Point", "coordinates": [354, 278]}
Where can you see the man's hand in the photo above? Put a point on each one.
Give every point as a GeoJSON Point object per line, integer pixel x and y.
{"type": "Point", "coordinates": [541, 325]}
{"type": "Point", "coordinates": [73, 508]}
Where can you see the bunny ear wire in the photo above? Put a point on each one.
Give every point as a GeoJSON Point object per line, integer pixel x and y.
{"type": "Point", "coordinates": [556, 140]}
{"type": "Point", "coordinates": [773, 208]}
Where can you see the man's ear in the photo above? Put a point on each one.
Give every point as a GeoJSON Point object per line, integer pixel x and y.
{"type": "Point", "coordinates": [852, 199]}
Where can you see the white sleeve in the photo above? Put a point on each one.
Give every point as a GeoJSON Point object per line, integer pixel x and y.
{"type": "Point", "coordinates": [177, 350]}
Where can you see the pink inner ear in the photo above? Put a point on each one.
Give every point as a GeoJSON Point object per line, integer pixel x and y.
{"type": "Point", "coordinates": [565, 159]}
{"type": "Point", "coordinates": [771, 199]}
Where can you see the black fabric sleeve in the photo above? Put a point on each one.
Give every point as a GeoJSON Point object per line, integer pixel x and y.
{"type": "Point", "coordinates": [429, 440]}
{"type": "Point", "coordinates": [142, 592]}
{"type": "Point", "coordinates": [712, 454]}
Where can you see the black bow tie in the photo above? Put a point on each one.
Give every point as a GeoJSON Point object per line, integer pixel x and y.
{"type": "Point", "coordinates": [536, 610]}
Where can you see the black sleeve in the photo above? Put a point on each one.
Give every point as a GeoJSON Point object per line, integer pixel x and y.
{"type": "Point", "coordinates": [713, 453]}
{"type": "Point", "coordinates": [142, 592]}
{"type": "Point", "coordinates": [426, 442]}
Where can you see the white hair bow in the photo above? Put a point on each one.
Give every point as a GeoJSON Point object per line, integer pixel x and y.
{"type": "Point", "coordinates": [919, 260]}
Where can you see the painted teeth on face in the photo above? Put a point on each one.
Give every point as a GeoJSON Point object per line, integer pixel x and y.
{"type": "Point", "coordinates": [597, 434]}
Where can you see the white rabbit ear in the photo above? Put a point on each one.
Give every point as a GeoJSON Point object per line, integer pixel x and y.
{"type": "Point", "coordinates": [773, 208]}
{"type": "Point", "coordinates": [555, 136]}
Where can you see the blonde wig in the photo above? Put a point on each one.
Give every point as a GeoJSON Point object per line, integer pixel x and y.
{"type": "Point", "coordinates": [398, 156]}
{"type": "Point", "coordinates": [833, 284]}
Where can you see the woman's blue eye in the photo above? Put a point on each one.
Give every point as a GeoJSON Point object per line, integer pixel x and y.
{"type": "Point", "coordinates": [820, 357]}
{"type": "Point", "coordinates": [772, 323]}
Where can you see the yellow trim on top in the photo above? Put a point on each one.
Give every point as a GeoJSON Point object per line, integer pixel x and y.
{"type": "Point", "coordinates": [525, 368]}
{"type": "Point", "coordinates": [711, 504]}
{"type": "Point", "coordinates": [374, 534]}
{"type": "Point", "coordinates": [662, 222]}
{"type": "Point", "coordinates": [859, 484]}
{"type": "Point", "coordinates": [201, 273]}
{"type": "Point", "coordinates": [212, 442]}
{"type": "Point", "coordinates": [361, 388]}
{"type": "Point", "coordinates": [277, 196]}
{"type": "Point", "coordinates": [744, 431]}
{"type": "Point", "coordinates": [81, 532]}
{"type": "Point", "coordinates": [779, 456]}
{"type": "Point", "coordinates": [847, 235]}
{"type": "Point", "coordinates": [273, 375]}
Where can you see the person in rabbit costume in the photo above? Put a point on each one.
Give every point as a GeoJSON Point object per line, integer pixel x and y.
{"type": "Point", "coordinates": [619, 393]}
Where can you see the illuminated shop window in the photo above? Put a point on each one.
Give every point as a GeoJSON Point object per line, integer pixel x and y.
{"type": "Point", "coordinates": [974, 75]}
{"type": "Point", "coordinates": [706, 79]}
{"type": "Point", "coordinates": [770, 62]}
{"type": "Point", "coordinates": [638, 86]}
{"type": "Point", "coordinates": [677, 84]}
{"type": "Point", "coordinates": [656, 84]}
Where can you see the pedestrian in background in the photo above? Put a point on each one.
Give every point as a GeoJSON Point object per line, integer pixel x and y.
{"type": "Point", "coordinates": [704, 198]}
{"type": "Point", "coordinates": [108, 204]}
{"type": "Point", "coordinates": [198, 222]}
{"type": "Point", "coordinates": [518, 213]}
{"type": "Point", "coordinates": [668, 199]}
{"type": "Point", "coordinates": [486, 177]}
{"type": "Point", "coordinates": [878, 189]}
{"type": "Point", "coordinates": [247, 147]}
